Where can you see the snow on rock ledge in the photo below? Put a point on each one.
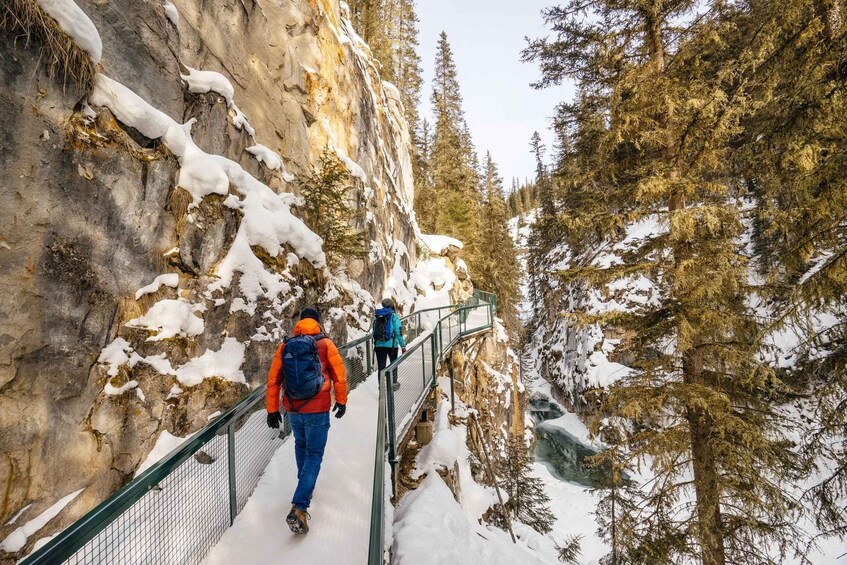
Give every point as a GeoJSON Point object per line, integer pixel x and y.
{"type": "Point", "coordinates": [439, 244]}
{"type": "Point", "coordinates": [76, 24]}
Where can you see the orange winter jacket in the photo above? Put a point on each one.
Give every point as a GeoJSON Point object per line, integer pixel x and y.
{"type": "Point", "coordinates": [333, 370]}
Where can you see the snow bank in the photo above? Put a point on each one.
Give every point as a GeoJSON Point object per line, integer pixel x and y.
{"type": "Point", "coordinates": [268, 157]}
{"type": "Point", "coordinates": [76, 24]}
{"type": "Point", "coordinates": [169, 279]}
{"type": "Point", "coordinates": [170, 318]}
{"type": "Point", "coordinates": [571, 423]}
{"type": "Point", "coordinates": [255, 281]}
{"type": "Point", "coordinates": [443, 450]}
{"type": "Point", "coordinates": [573, 506]}
{"type": "Point", "coordinates": [224, 363]}
{"type": "Point", "coordinates": [432, 280]}
{"type": "Point", "coordinates": [438, 244]}
{"type": "Point", "coordinates": [17, 539]}
{"type": "Point", "coordinates": [430, 528]}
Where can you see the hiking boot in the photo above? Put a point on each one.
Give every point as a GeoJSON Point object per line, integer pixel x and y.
{"type": "Point", "coordinates": [298, 521]}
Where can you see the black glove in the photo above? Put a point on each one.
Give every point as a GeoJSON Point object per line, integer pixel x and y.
{"type": "Point", "coordinates": [274, 420]}
{"type": "Point", "coordinates": [339, 410]}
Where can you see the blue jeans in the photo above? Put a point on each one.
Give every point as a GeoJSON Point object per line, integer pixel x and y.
{"type": "Point", "coordinates": [310, 433]}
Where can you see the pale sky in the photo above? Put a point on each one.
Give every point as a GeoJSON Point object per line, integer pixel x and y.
{"type": "Point", "coordinates": [502, 110]}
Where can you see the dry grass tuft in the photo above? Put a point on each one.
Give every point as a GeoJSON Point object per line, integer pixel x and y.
{"type": "Point", "coordinates": [26, 21]}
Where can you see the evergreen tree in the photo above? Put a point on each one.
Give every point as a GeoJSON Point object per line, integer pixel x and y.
{"type": "Point", "coordinates": [426, 197]}
{"type": "Point", "coordinates": [700, 404]}
{"type": "Point", "coordinates": [390, 27]}
{"type": "Point", "coordinates": [528, 502]}
{"type": "Point", "coordinates": [542, 178]}
{"type": "Point", "coordinates": [453, 160]}
{"type": "Point", "coordinates": [791, 154]}
{"type": "Point", "coordinates": [407, 66]}
{"type": "Point", "coordinates": [495, 268]}
{"type": "Point", "coordinates": [328, 210]}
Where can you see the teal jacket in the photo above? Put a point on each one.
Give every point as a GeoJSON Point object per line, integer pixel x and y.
{"type": "Point", "coordinates": [397, 339]}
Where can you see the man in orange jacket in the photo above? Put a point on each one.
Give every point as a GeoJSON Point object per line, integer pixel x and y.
{"type": "Point", "coordinates": [309, 418]}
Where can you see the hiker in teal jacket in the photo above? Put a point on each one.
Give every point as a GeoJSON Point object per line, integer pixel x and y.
{"type": "Point", "coordinates": [388, 336]}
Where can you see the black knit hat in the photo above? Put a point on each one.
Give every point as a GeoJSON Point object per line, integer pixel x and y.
{"type": "Point", "coordinates": [387, 303]}
{"type": "Point", "coordinates": [310, 313]}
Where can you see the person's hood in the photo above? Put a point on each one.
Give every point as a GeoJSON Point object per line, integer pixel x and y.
{"type": "Point", "coordinates": [307, 326]}
{"type": "Point", "coordinates": [383, 311]}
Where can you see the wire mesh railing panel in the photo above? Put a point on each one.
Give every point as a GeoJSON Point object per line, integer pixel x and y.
{"type": "Point", "coordinates": [412, 327]}
{"type": "Point", "coordinates": [476, 319]}
{"type": "Point", "coordinates": [409, 385]}
{"type": "Point", "coordinates": [357, 362]}
{"type": "Point", "coordinates": [176, 522]}
{"type": "Point", "coordinates": [451, 327]}
{"type": "Point", "coordinates": [255, 445]}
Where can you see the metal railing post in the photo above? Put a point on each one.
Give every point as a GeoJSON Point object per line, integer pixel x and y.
{"type": "Point", "coordinates": [233, 501]}
{"type": "Point", "coordinates": [369, 354]}
{"type": "Point", "coordinates": [392, 437]}
{"type": "Point", "coordinates": [434, 357]}
{"type": "Point", "coordinates": [423, 367]}
{"type": "Point", "coordinates": [440, 330]}
{"type": "Point", "coordinates": [452, 387]}
{"type": "Point", "coordinates": [376, 545]}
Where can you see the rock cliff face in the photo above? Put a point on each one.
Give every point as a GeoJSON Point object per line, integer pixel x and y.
{"type": "Point", "coordinates": [97, 203]}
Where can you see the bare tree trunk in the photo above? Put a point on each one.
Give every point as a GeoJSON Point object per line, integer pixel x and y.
{"type": "Point", "coordinates": [700, 424]}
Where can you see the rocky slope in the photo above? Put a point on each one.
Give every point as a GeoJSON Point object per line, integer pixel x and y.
{"type": "Point", "coordinates": [103, 192]}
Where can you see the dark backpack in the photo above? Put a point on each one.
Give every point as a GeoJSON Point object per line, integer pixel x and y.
{"type": "Point", "coordinates": [383, 327]}
{"type": "Point", "coordinates": [301, 373]}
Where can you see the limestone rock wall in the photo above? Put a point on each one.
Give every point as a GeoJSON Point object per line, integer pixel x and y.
{"type": "Point", "coordinates": [92, 211]}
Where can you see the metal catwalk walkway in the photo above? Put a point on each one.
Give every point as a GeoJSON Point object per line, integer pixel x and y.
{"type": "Point", "coordinates": [222, 496]}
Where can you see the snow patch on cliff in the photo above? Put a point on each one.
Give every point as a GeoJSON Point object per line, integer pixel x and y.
{"type": "Point", "coordinates": [171, 318]}
{"type": "Point", "coordinates": [224, 363]}
{"type": "Point", "coordinates": [15, 541]}
{"type": "Point", "coordinates": [76, 24]}
{"type": "Point", "coordinates": [171, 13]}
{"type": "Point", "coordinates": [201, 82]}
{"type": "Point", "coordinates": [169, 279]}
{"type": "Point", "coordinates": [266, 156]}
{"type": "Point", "coordinates": [267, 215]}
{"type": "Point", "coordinates": [438, 244]}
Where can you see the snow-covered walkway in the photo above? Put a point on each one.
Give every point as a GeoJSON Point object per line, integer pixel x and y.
{"type": "Point", "coordinates": [341, 507]}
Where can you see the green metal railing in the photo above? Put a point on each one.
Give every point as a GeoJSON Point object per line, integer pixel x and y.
{"type": "Point", "coordinates": [178, 509]}
{"type": "Point", "coordinates": [415, 372]}
{"type": "Point", "coordinates": [488, 297]}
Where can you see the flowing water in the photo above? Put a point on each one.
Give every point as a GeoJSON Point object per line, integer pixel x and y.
{"type": "Point", "coordinates": [559, 451]}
